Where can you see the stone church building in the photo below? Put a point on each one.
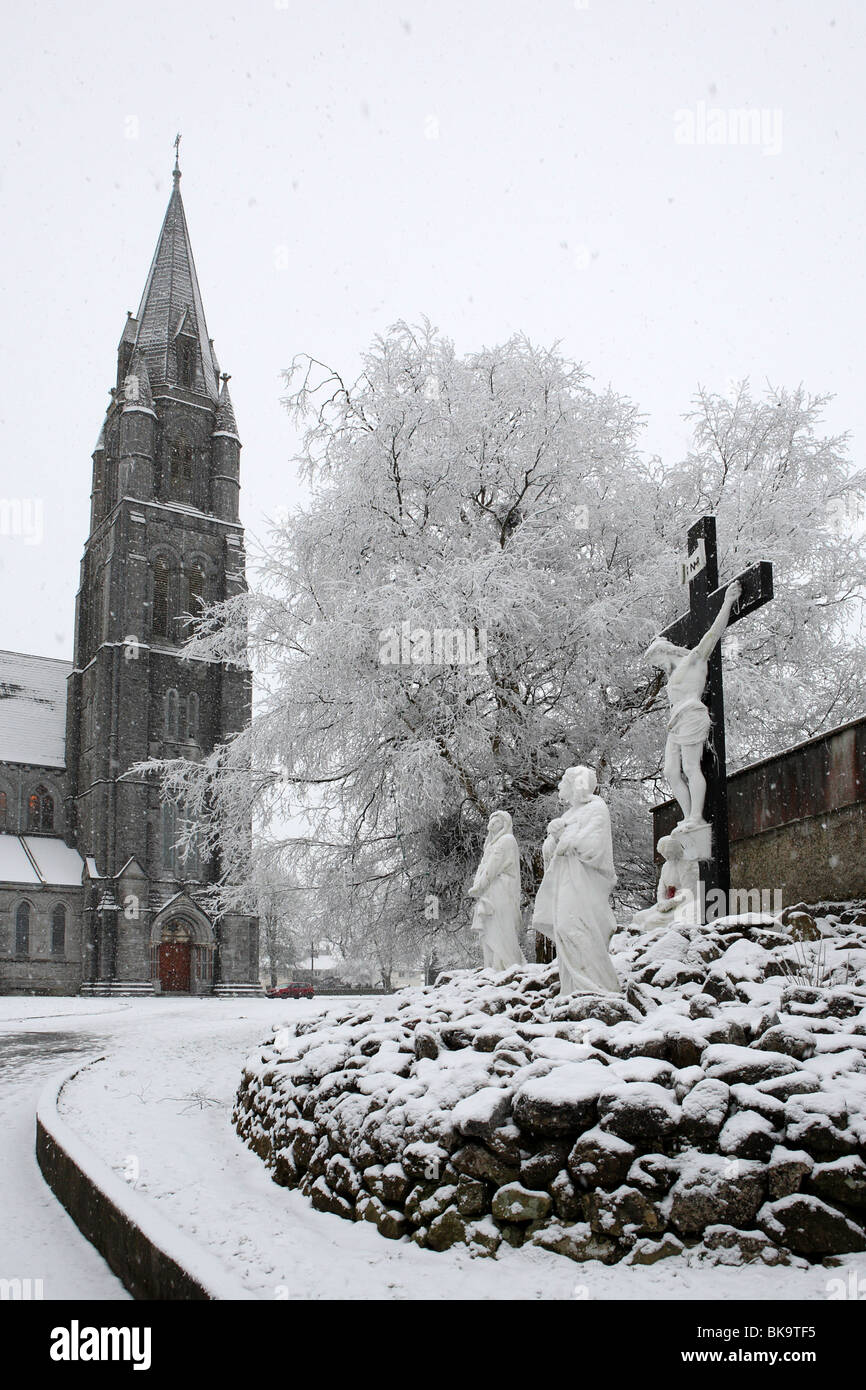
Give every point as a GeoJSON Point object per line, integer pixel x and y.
{"type": "Point", "coordinates": [95, 896]}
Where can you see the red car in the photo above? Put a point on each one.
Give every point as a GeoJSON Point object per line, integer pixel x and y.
{"type": "Point", "coordinates": [292, 991]}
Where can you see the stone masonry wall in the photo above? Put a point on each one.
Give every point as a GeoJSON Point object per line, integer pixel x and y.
{"type": "Point", "coordinates": [716, 1110]}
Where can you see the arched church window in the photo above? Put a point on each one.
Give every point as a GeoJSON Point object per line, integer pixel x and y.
{"type": "Point", "coordinates": [192, 709]}
{"type": "Point", "coordinates": [40, 810]}
{"type": "Point", "coordinates": [162, 606]}
{"type": "Point", "coordinates": [172, 714]}
{"type": "Point", "coordinates": [196, 588]}
{"type": "Point", "coordinates": [22, 930]}
{"type": "Point", "coordinates": [58, 931]}
{"type": "Point", "coordinates": [169, 836]}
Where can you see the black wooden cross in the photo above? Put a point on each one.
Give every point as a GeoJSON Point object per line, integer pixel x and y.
{"type": "Point", "coordinates": [705, 601]}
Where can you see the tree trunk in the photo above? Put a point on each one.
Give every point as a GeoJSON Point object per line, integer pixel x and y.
{"type": "Point", "coordinates": [544, 952]}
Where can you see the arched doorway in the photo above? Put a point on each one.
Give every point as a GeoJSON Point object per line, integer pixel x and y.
{"type": "Point", "coordinates": [174, 956]}
{"type": "Point", "coordinates": [183, 948]}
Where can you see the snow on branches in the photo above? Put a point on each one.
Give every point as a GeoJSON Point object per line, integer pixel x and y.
{"type": "Point", "coordinates": [459, 612]}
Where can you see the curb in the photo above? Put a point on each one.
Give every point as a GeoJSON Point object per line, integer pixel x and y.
{"type": "Point", "coordinates": [150, 1256]}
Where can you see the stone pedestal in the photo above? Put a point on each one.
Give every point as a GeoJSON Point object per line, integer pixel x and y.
{"type": "Point", "coordinates": [697, 843]}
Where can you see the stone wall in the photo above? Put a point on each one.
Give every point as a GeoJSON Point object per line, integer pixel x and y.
{"type": "Point", "coordinates": [818, 858]}
{"type": "Point", "coordinates": [716, 1110]}
{"type": "Point", "coordinates": [40, 972]}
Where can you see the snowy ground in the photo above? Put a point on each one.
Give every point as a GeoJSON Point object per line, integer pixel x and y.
{"type": "Point", "coordinates": [38, 1038]}
{"type": "Point", "coordinates": [157, 1110]}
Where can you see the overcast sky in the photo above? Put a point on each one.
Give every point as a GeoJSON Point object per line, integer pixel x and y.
{"type": "Point", "coordinates": [543, 167]}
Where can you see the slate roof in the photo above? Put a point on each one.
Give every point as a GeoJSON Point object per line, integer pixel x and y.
{"type": "Point", "coordinates": [225, 416]}
{"type": "Point", "coordinates": [172, 298]}
{"type": "Point", "coordinates": [33, 709]}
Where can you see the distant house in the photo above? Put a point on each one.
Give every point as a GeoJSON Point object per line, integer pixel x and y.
{"type": "Point", "coordinates": [330, 972]}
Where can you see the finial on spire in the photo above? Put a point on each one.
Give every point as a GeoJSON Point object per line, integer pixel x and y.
{"type": "Point", "coordinates": [176, 170]}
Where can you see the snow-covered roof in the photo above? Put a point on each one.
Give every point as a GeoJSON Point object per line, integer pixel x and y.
{"type": "Point", "coordinates": [33, 709]}
{"type": "Point", "coordinates": [15, 867]}
{"type": "Point", "coordinates": [57, 863]}
{"type": "Point", "coordinates": [40, 861]}
{"type": "Point", "coordinates": [322, 963]}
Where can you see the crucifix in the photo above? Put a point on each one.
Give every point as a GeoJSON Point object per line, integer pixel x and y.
{"type": "Point", "coordinates": [177, 140]}
{"type": "Point", "coordinates": [689, 652]}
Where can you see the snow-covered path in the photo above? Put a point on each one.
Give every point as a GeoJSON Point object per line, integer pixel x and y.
{"type": "Point", "coordinates": [157, 1110]}
{"type": "Point", "coordinates": [38, 1039]}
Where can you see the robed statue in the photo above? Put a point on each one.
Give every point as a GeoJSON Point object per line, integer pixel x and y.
{"type": "Point", "coordinates": [678, 893]}
{"type": "Point", "coordinates": [572, 906]}
{"type": "Point", "coordinates": [496, 890]}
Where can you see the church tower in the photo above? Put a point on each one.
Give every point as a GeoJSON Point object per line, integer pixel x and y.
{"type": "Point", "coordinates": [164, 538]}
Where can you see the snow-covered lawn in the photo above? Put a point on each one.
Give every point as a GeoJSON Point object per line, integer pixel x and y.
{"type": "Point", "coordinates": [157, 1111]}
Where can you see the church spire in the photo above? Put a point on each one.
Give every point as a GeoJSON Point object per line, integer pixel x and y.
{"type": "Point", "coordinates": [225, 416]}
{"type": "Point", "coordinates": [170, 327]}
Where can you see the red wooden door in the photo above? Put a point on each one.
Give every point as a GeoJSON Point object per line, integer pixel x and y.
{"type": "Point", "coordinates": [174, 959]}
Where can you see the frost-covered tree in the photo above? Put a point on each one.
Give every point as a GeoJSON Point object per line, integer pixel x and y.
{"type": "Point", "coordinates": [282, 942]}
{"type": "Point", "coordinates": [785, 492]}
{"type": "Point", "coordinates": [496, 506]}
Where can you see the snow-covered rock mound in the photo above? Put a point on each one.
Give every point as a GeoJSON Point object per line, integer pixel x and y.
{"type": "Point", "coordinates": [717, 1106]}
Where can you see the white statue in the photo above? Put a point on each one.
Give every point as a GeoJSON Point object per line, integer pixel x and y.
{"type": "Point", "coordinates": [572, 907]}
{"type": "Point", "coordinates": [677, 896]}
{"type": "Point", "coordinates": [689, 722]}
{"type": "Point", "coordinates": [496, 890]}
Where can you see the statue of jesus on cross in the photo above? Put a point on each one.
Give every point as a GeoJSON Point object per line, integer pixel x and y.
{"type": "Point", "coordinates": [689, 723]}
{"type": "Point", "coordinates": [688, 652]}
